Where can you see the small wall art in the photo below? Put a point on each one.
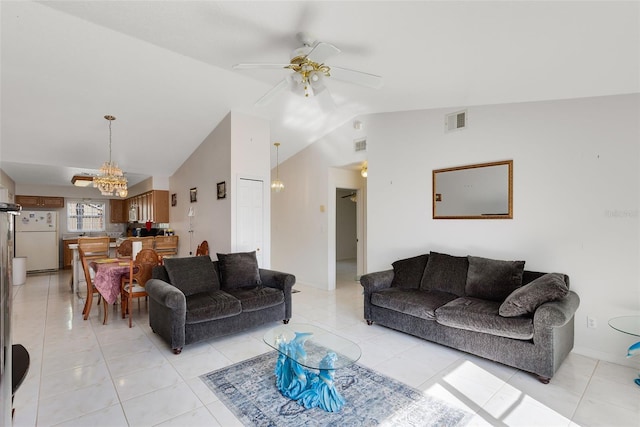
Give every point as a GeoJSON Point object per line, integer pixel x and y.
{"type": "Point", "coordinates": [174, 199]}
{"type": "Point", "coordinates": [222, 190]}
{"type": "Point", "coordinates": [193, 195]}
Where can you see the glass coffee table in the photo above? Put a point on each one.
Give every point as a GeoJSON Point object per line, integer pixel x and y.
{"type": "Point", "coordinates": [628, 325]}
{"type": "Point", "coordinates": [303, 350]}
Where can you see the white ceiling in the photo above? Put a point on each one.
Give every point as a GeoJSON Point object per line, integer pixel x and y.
{"type": "Point", "coordinates": [163, 68]}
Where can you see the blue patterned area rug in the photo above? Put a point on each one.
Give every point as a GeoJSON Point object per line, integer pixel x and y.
{"type": "Point", "coordinates": [248, 389]}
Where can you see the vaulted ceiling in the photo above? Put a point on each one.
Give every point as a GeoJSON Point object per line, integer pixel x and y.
{"type": "Point", "coordinates": [164, 69]}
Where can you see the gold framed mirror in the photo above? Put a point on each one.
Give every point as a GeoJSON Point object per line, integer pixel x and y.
{"type": "Point", "coordinates": [480, 191]}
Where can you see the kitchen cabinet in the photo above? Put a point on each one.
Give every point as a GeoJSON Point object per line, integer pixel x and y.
{"type": "Point", "coordinates": [152, 205]}
{"type": "Point", "coordinates": [44, 202]}
{"type": "Point", "coordinates": [118, 211]}
{"type": "Point", "coordinates": [161, 205]}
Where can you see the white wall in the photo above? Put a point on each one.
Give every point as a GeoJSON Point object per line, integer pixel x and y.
{"type": "Point", "coordinates": [238, 146]}
{"type": "Point", "coordinates": [208, 164]}
{"type": "Point", "coordinates": [7, 188]}
{"type": "Point", "coordinates": [303, 215]}
{"type": "Point", "coordinates": [576, 188]}
{"type": "Point", "coordinates": [250, 158]}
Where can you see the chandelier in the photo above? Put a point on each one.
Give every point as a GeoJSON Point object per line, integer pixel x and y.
{"type": "Point", "coordinates": [110, 180]}
{"type": "Point", "coordinates": [276, 184]}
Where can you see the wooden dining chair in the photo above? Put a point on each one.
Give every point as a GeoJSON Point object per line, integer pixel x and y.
{"type": "Point", "coordinates": [132, 286]}
{"type": "Point", "coordinates": [124, 249]}
{"type": "Point", "coordinates": [203, 249]}
{"type": "Point", "coordinates": [89, 249]}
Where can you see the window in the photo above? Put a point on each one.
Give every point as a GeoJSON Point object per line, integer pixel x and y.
{"type": "Point", "coordinates": [85, 216]}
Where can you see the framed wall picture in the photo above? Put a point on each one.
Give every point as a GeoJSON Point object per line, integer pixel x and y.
{"type": "Point", "coordinates": [174, 199]}
{"type": "Point", "coordinates": [222, 190]}
{"type": "Point", "coordinates": [193, 195]}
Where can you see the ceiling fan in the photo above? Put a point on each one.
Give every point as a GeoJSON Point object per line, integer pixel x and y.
{"type": "Point", "coordinates": [309, 70]}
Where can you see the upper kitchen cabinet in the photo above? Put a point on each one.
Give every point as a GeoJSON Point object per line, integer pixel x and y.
{"type": "Point", "coordinates": [43, 202]}
{"type": "Point", "coordinates": [118, 211]}
{"type": "Point", "coordinates": [150, 206]}
{"type": "Point", "coordinates": [161, 205]}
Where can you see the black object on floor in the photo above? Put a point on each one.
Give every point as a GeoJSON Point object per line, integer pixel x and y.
{"type": "Point", "coordinates": [20, 361]}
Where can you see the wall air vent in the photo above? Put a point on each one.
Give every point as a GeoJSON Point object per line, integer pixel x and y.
{"type": "Point", "coordinates": [455, 121]}
{"type": "Point", "coordinates": [360, 144]}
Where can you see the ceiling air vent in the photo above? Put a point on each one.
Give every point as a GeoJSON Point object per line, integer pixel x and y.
{"type": "Point", "coordinates": [456, 121]}
{"type": "Point", "coordinates": [360, 144]}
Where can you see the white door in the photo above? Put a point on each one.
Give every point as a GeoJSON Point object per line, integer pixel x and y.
{"type": "Point", "coordinates": [250, 217]}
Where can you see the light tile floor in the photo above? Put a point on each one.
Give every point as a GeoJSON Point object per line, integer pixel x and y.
{"type": "Point", "coordinates": [84, 373]}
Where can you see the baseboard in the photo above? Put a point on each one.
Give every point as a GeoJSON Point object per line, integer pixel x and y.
{"type": "Point", "coordinates": [633, 362]}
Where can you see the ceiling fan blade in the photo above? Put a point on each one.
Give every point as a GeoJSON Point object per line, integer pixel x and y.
{"type": "Point", "coordinates": [267, 97]}
{"type": "Point", "coordinates": [358, 77]}
{"type": "Point", "coordinates": [322, 51]}
{"type": "Point", "coordinates": [259, 66]}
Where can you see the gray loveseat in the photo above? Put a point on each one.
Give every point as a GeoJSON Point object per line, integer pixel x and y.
{"type": "Point", "coordinates": [193, 299]}
{"type": "Point", "coordinates": [490, 308]}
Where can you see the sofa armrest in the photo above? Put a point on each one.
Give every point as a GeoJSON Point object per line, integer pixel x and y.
{"type": "Point", "coordinates": [167, 312]}
{"type": "Point", "coordinates": [277, 279]}
{"type": "Point", "coordinates": [282, 281]}
{"type": "Point", "coordinates": [556, 313]}
{"type": "Point", "coordinates": [372, 282]}
{"type": "Point", "coordinates": [166, 294]}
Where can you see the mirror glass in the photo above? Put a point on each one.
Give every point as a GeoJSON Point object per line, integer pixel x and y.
{"type": "Point", "coordinates": [481, 191]}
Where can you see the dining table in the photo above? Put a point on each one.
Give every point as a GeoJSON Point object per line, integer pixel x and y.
{"type": "Point", "coordinates": [109, 273]}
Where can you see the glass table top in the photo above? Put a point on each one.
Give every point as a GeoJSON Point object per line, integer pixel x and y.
{"type": "Point", "coordinates": [317, 343]}
{"type": "Point", "coordinates": [627, 324]}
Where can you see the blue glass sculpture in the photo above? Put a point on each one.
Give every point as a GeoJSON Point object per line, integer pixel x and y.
{"type": "Point", "coordinates": [309, 389]}
{"type": "Point", "coordinates": [634, 350]}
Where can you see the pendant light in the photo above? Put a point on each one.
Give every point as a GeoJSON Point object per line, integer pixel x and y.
{"type": "Point", "coordinates": [110, 180]}
{"type": "Point", "coordinates": [277, 185]}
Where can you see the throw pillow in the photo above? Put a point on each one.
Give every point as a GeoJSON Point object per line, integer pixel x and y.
{"type": "Point", "coordinates": [407, 273]}
{"type": "Point", "coordinates": [445, 273]}
{"type": "Point", "coordinates": [526, 299]}
{"type": "Point", "coordinates": [239, 270]}
{"type": "Point", "coordinates": [492, 279]}
{"type": "Point", "coordinates": [192, 275]}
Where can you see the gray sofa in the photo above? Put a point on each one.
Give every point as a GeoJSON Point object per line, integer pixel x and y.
{"type": "Point", "coordinates": [491, 308]}
{"type": "Point", "coordinates": [193, 299]}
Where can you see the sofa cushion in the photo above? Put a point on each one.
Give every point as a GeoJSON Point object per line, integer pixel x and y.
{"type": "Point", "coordinates": [211, 305]}
{"type": "Point", "coordinates": [493, 279]}
{"type": "Point", "coordinates": [527, 298]}
{"type": "Point", "coordinates": [258, 297]}
{"type": "Point", "coordinates": [192, 275]}
{"type": "Point", "coordinates": [480, 315]}
{"type": "Point", "coordinates": [414, 302]}
{"type": "Point", "coordinates": [445, 273]}
{"type": "Point", "coordinates": [407, 273]}
{"type": "Point", "coordinates": [239, 270]}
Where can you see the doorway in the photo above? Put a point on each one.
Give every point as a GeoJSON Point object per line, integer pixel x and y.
{"type": "Point", "coordinates": [346, 236]}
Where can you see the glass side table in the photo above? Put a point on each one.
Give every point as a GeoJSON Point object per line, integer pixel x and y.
{"type": "Point", "coordinates": [628, 325]}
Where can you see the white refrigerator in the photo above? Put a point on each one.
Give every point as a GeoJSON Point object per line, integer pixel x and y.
{"type": "Point", "coordinates": [37, 239]}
